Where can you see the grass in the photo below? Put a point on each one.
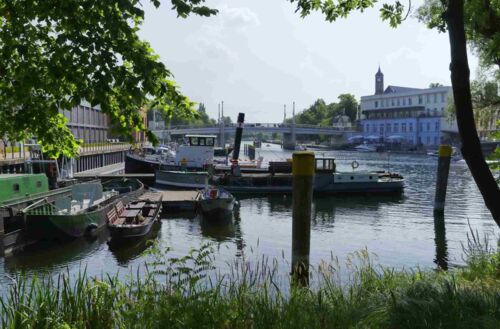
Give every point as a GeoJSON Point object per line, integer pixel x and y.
{"type": "Point", "coordinates": [187, 292]}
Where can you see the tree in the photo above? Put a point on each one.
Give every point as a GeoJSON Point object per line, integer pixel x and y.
{"type": "Point", "coordinates": [54, 54]}
{"type": "Point", "coordinates": [482, 21]}
{"type": "Point", "coordinates": [481, 25]}
{"type": "Point", "coordinates": [435, 85]}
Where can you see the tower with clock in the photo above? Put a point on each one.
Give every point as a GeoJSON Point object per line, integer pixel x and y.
{"type": "Point", "coordinates": [379, 82]}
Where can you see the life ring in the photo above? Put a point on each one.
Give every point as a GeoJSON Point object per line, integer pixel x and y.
{"type": "Point", "coordinates": [354, 164]}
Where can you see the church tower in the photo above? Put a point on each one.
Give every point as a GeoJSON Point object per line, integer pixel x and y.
{"type": "Point", "coordinates": [379, 82]}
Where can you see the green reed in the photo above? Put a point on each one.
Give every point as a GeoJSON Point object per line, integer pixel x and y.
{"type": "Point", "coordinates": [188, 292]}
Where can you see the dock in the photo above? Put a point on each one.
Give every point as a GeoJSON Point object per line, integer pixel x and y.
{"type": "Point", "coordinates": [174, 200]}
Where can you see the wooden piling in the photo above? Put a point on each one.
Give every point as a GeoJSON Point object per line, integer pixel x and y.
{"type": "Point", "coordinates": [442, 177]}
{"type": "Point", "coordinates": [303, 178]}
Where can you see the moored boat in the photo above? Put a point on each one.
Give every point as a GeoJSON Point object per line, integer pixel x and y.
{"type": "Point", "coordinates": [80, 212]}
{"type": "Point", "coordinates": [365, 148]}
{"type": "Point", "coordinates": [326, 181]}
{"type": "Point", "coordinates": [215, 202]}
{"type": "Point", "coordinates": [135, 220]}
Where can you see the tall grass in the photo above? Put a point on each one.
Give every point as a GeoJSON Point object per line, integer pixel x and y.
{"type": "Point", "coordinates": [188, 292]}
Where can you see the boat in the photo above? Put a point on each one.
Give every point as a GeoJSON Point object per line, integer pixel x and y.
{"type": "Point", "coordinates": [133, 220]}
{"type": "Point", "coordinates": [147, 159]}
{"type": "Point", "coordinates": [326, 180]}
{"type": "Point", "coordinates": [79, 213]}
{"type": "Point", "coordinates": [222, 151]}
{"type": "Point", "coordinates": [365, 148]}
{"type": "Point", "coordinates": [215, 202]}
{"type": "Point", "coordinates": [181, 179]}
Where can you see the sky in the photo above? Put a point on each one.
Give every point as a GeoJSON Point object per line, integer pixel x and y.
{"type": "Point", "coordinates": [258, 55]}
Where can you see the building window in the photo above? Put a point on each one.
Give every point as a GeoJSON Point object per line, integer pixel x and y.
{"type": "Point", "coordinates": [420, 100]}
{"type": "Point", "coordinates": [399, 102]}
{"type": "Point", "coordinates": [437, 125]}
{"type": "Point", "coordinates": [392, 101]}
{"type": "Point", "coordinates": [396, 127]}
{"type": "Point", "coordinates": [435, 98]}
{"type": "Point", "coordinates": [443, 95]}
{"type": "Point", "coordinates": [403, 127]}
{"type": "Point", "coordinates": [409, 100]}
{"type": "Point", "coordinates": [388, 126]}
{"type": "Point", "coordinates": [404, 101]}
{"type": "Point", "coordinates": [381, 128]}
{"type": "Point", "coordinates": [376, 103]}
{"type": "Point", "coordinates": [435, 112]}
{"type": "Point", "coordinates": [428, 126]}
{"type": "Point", "coordinates": [410, 127]}
{"type": "Point", "coordinates": [428, 98]}
{"type": "Point", "coordinates": [421, 127]}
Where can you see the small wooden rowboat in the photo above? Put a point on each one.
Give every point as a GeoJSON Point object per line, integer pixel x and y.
{"type": "Point", "coordinates": [133, 220]}
{"type": "Point", "coordinates": [215, 202]}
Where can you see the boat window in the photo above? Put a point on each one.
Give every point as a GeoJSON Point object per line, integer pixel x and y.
{"type": "Point", "coordinates": [15, 187]}
{"type": "Point", "coordinates": [202, 142]}
{"type": "Point", "coordinates": [210, 142]}
{"type": "Point", "coordinates": [38, 184]}
{"type": "Point", "coordinates": [193, 140]}
{"type": "Point", "coordinates": [352, 177]}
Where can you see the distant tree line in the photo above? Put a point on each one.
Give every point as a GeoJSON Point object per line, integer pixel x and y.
{"type": "Point", "coordinates": [321, 113]}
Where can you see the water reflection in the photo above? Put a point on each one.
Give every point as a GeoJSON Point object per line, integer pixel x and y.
{"type": "Point", "coordinates": [441, 259]}
{"type": "Point", "coordinates": [218, 229]}
{"type": "Point", "coordinates": [50, 255]}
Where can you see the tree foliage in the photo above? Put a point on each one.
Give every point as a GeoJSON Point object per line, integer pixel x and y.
{"type": "Point", "coordinates": [323, 114]}
{"type": "Point", "coordinates": [196, 118]}
{"type": "Point", "coordinates": [482, 25]}
{"type": "Point", "coordinates": [54, 54]}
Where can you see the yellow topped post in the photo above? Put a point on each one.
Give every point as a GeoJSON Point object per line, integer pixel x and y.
{"type": "Point", "coordinates": [303, 180]}
{"type": "Point", "coordinates": [445, 152]}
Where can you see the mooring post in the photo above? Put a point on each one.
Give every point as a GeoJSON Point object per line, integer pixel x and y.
{"type": "Point", "coordinates": [442, 177]}
{"type": "Point", "coordinates": [303, 178]}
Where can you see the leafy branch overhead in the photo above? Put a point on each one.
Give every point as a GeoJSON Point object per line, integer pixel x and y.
{"type": "Point", "coordinates": [392, 12]}
{"type": "Point", "coordinates": [54, 54]}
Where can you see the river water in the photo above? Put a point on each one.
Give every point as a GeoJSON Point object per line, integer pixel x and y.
{"type": "Point", "coordinates": [400, 231]}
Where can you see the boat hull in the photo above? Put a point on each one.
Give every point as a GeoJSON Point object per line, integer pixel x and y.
{"type": "Point", "coordinates": [67, 226]}
{"type": "Point", "coordinates": [40, 226]}
{"type": "Point", "coordinates": [282, 183]}
{"type": "Point", "coordinates": [129, 232]}
{"type": "Point", "coordinates": [217, 207]}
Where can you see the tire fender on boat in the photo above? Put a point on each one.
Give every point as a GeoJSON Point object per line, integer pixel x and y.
{"type": "Point", "coordinates": [91, 230]}
{"type": "Point", "coordinates": [354, 164]}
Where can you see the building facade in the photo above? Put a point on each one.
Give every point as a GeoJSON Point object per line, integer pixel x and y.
{"type": "Point", "coordinates": [87, 123]}
{"type": "Point", "coordinates": [410, 116]}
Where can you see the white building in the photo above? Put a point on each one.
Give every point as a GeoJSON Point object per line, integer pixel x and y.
{"type": "Point", "coordinates": [409, 115]}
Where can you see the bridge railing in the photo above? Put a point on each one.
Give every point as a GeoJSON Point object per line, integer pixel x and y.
{"type": "Point", "coordinates": [265, 125]}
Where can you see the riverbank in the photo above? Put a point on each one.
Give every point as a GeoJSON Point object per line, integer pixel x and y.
{"type": "Point", "coordinates": [183, 293]}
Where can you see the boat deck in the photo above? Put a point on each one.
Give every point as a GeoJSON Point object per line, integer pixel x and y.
{"type": "Point", "coordinates": [174, 200]}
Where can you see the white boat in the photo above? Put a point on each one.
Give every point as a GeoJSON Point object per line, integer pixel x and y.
{"type": "Point", "coordinates": [215, 202]}
{"type": "Point", "coordinates": [366, 148]}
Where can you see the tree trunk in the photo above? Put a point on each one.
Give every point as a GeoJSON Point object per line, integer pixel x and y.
{"type": "Point", "coordinates": [471, 146]}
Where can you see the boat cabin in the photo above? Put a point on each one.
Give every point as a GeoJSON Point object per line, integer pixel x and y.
{"type": "Point", "coordinates": [197, 153]}
{"type": "Point", "coordinates": [201, 140]}
{"type": "Point", "coordinates": [14, 186]}
{"type": "Point", "coordinates": [325, 165]}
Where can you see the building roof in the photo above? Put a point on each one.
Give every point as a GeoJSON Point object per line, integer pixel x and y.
{"type": "Point", "coordinates": [397, 89]}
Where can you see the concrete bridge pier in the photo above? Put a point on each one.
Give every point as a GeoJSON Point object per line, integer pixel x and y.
{"type": "Point", "coordinates": [289, 141]}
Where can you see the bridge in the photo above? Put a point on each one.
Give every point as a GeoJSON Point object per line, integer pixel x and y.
{"type": "Point", "coordinates": [289, 131]}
